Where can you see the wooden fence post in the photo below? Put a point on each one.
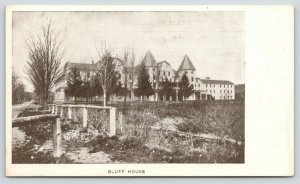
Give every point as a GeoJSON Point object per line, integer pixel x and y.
{"type": "Point", "coordinates": [61, 111]}
{"type": "Point", "coordinates": [69, 113]}
{"type": "Point", "coordinates": [56, 109]}
{"type": "Point", "coordinates": [112, 121]}
{"type": "Point", "coordinates": [57, 150]}
{"type": "Point", "coordinates": [53, 109]}
{"type": "Point", "coordinates": [121, 122]}
{"type": "Point", "coordinates": [84, 117]}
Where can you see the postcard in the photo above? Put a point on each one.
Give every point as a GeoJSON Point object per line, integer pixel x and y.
{"type": "Point", "coordinates": [149, 90]}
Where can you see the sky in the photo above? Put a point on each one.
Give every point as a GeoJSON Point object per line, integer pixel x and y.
{"type": "Point", "coordinates": [214, 41]}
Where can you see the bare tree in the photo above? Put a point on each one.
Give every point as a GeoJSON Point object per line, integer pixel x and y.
{"type": "Point", "coordinates": [128, 70]}
{"type": "Point", "coordinates": [18, 89]}
{"type": "Point", "coordinates": [106, 68]}
{"type": "Point", "coordinates": [125, 71]}
{"type": "Point", "coordinates": [132, 75]}
{"type": "Point", "coordinates": [14, 79]}
{"type": "Point", "coordinates": [45, 54]}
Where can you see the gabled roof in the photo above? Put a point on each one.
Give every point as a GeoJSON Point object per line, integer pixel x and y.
{"type": "Point", "coordinates": [149, 60]}
{"type": "Point", "coordinates": [208, 81]}
{"type": "Point", "coordinates": [186, 64]}
{"type": "Point", "coordinates": [159, 63]}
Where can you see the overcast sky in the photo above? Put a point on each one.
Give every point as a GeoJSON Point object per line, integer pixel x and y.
{"type": "Point", "coordinates": [214, 41]}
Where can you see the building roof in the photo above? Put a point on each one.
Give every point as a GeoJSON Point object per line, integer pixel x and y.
{"type": "Point", "coordinates": [208, 81]}
{"type": "Point", "coordinates": [149, 60]}
{"type": "Point", "coordinates": [159, 63]}
{"type": "Point", "coordinates": [86, 66]}
{"type": "Point", "coordinates": [186, 64]}
{"type": "Point", "coordinates": [82, 66]}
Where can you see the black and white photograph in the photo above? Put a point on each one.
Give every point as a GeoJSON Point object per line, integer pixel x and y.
{"type": "Point", "coordinates": [128, 87]}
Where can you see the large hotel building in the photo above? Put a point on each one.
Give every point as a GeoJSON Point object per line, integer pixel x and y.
{"type": "Point", "coordinates": [203, 89]}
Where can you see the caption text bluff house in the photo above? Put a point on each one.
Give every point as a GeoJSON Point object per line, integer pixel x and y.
{"type": "Point", "coordinates": [203, 89]}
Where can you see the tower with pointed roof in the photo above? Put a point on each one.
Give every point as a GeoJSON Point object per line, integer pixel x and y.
{"type": "Point", "coordinates": [149, 60]}
{"type": "Point", "coordinates": [186, 64]}
{"type": "Point", "coordinates": [151, 66]}
{"type": "Point", "coordinates": [187, 67]}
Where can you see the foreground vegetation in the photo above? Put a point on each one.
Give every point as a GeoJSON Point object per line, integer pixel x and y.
{"type": "Point", "coordinates": [154, 133]}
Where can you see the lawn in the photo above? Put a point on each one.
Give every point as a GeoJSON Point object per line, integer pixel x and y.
{"type": "Point", "coordinates": [193, 132]}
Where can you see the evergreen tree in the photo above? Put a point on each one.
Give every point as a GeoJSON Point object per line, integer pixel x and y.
{"type": "Point", "coordinates": [74, 83]}
{"type": "Point", "coordinates": [86, 89]}
{"type": "Point", "coordinates": [116, 87]}
{"type": "Point", "coordinates": [167, 89]}
{"type": "Point", "coordinates": [185, 89]}
{"type": "Point", "coordinates": [96, 89]}
{"type": "Point", "coordinates": [144, 85]}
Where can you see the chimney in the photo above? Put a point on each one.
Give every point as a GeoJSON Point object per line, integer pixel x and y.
{"type": "Point", "coordinates": [207, 78]}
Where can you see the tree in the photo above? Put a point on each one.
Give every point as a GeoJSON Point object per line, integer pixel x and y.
{"type": "Point", "coordinates": [106, 69]}
{"type": "Point", "coordinates": [43, 67]}
{"type": "Point", "coordinates": [18, 89]}
{"type": "Point", "coordinates": [116, 87]}
{"type": "Point", "coordinates": [132, 76]}
{"type": "Point", "coordinates": [185, 89]}
{"type": "Point", "coordinates": [86, 89]}
{"type": "Point", "coordinates": [128, 70]}
{"type": "Point", "coordinates": [74, 83]}
{"type": "Point", "coordinates": [96, 86]}
{"type": "Point", "coordinates": [144, 85]}
{"type": "Point", "coordinates": [167, 89]}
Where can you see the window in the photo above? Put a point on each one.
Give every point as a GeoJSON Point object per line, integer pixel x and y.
{"type": "Point", "coordinates": [224, 91]}
{"type": "Point", "coordinates": [88, 74]}
{"type": "Point", "coordinates": [206, 85]}
{"type": "Point", "coordinates": [210, 85]}
{"type": "Point", "coordinates": [220, 91]}
{"type": "Point", "coordinates": [214, 85]}
{"type": "Point", "coordinates": [214, 91]}
{"type": "Point", "coordinates": [199, 85]}
{"type": "Point", "coordinates": [192, 79]}
{"type": "Point", "coordinates": [169, 73]}
{"type": "Point", "coordinates": [220, 85]}
{"type": "Point", "coordinates": [210, 91]}
{"type": "Point", "coordinates": [164, 73]}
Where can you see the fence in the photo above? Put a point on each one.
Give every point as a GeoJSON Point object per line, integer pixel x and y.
{"type": "Point", "coordinates": [57, 137]}
{"type": "Point", "coordinates": [54, 108]}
